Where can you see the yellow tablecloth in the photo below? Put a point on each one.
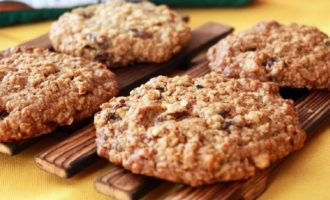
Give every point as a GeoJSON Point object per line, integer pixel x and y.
{"type": "Point", "coordinates": [304, 175]}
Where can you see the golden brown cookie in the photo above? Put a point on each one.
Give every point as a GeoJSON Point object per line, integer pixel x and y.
{"type": "Point", "coordinates": [198, 130]}
{"type": "Point", "coordinates": [41, 90]}
{"type": "Point", "coordinates": [120, 33]}
{"type": "Point", "coordinates": [292, 55]}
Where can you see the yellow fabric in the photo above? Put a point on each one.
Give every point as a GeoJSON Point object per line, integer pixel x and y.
{"type": "Point", "coordinates": [304, 175]}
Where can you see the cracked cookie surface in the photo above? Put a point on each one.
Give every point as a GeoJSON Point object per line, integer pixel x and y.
{"type": "Point", "coordinates": [41, 90]}
{"type": "Point", "coordinates": [121, 33]}
{"type": "Point", "coordinates": [292, 55]}
{"type": "Point", "coordinates": [198, 130]}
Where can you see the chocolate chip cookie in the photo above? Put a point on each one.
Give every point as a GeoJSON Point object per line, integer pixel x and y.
{"type": "Point", "coordinates": [120, 33]}
{"type": "Point", "coordinates": [198, 130]}
{"type": "Point", "coordinates": [41, 90]}
{"type": "Point", "coordinates": [292, 55]}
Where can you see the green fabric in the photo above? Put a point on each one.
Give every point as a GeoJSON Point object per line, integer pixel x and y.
{"type": "Point", "coordinates": [26, 16]}
{"type": "Point", "coordinates": [203, 3]}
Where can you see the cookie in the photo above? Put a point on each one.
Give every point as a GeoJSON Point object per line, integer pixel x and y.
{"type": "Point", "coordinates": [292, 55]}
{"type": "Point", "coordinates": [198, 130]}
{"type": "Point", "coordinates": [41, 90]}
{"type": "Point", "coordinates": [121, 33]}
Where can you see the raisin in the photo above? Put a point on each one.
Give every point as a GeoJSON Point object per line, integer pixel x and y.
{"type": "Point", "coordinates": [160, 89]}
{"type": "Point", "coordinates": [327, 43]}
{"type": "Point", "coordinates": [105, 137]}
{"type": "Point", "coordinates": [223, 113]}
{"type": "Point", "coordinates": [86, 14]}
{"type": "Point", "coordinates": [251, 49]}
{"type": "Point", "coordinates": [199, 86]}
{"type": "Point", "coordinates": [180, 115]}
{"type": "Point", "coordinates": [103, 42]}
{"type": "Point", "coordinates": [111, 116]}
{"type": "Point", "coordinates": [102, 56]}
{"type": "Point", "coordinates": [141, 33]}
{"type": "Point", "coordinates": [3, 114]}
{"type": "Point", "coordinates": [226, 124]}
{"type": "Point", "coordinates": [88, 47]}
{"type": "Point", "coordinates": [104, 45]}
{"type": "Point", "coordinates": [269, 62]}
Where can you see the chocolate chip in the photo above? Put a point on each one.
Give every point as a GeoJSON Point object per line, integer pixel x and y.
{"type": "Point", "coordinates": [226, 124]}
{"type": "Point", "coordinates": [141, 33]}
{"type": "Point", "coordinates": [3, 114]}
{"type": "Point", "coordinates": [199, 86]}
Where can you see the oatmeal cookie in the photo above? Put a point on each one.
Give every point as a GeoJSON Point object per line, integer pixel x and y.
{"type": "Point", "coordinates": [41, 90]}
{"type": "Point", "coordinates": [120, 33]}
{"type": "Point", "coordinates": [293, 55]}
{"type": "Point", "coordinates": [198, 130]}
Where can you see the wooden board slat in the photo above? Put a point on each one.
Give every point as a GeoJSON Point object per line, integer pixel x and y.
{"type": "Point", "coordinates": [69, 162]}
{"type": "Point", "coordinates": [313, 109]}
{"type": "Point", "coordinates": [41, 41]}
{"type": "Point", "coordinates": [12, 148]}
{"type": "Point", "coordinates": [78, 151]}
{"type": "Point", "coordinates": [124, 184]}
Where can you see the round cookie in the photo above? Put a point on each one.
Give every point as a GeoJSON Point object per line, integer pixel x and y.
{"type": "Point", "coordinates": [293, 55]}
{"type": "Point", "coordinates": [120, 33]}
{"type": "Point", "coordinates": [198, 130]}
{"type": "Point", "coordinates": [41, 90]}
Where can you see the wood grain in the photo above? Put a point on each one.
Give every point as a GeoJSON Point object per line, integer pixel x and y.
{"type": "Point", "coordinates": [313, 109]}
{"type": "Point", "coordinates": [76, 155]}
{"type": "Point", "coordinates": [13, 148]}
{"type": "Point", "coordinates": [125, 185]}
{"type": "Point", "coordinates": [78, 151]}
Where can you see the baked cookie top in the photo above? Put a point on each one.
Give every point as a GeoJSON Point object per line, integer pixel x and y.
{"type": "Point", "coordinates": [41, 90]}
{"type": "Point", "coordinates": [198, 130]}
{"type": "Point", "coordinates": [292, 55]}
{"type": "Point", "coordinates": [120, 33]}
